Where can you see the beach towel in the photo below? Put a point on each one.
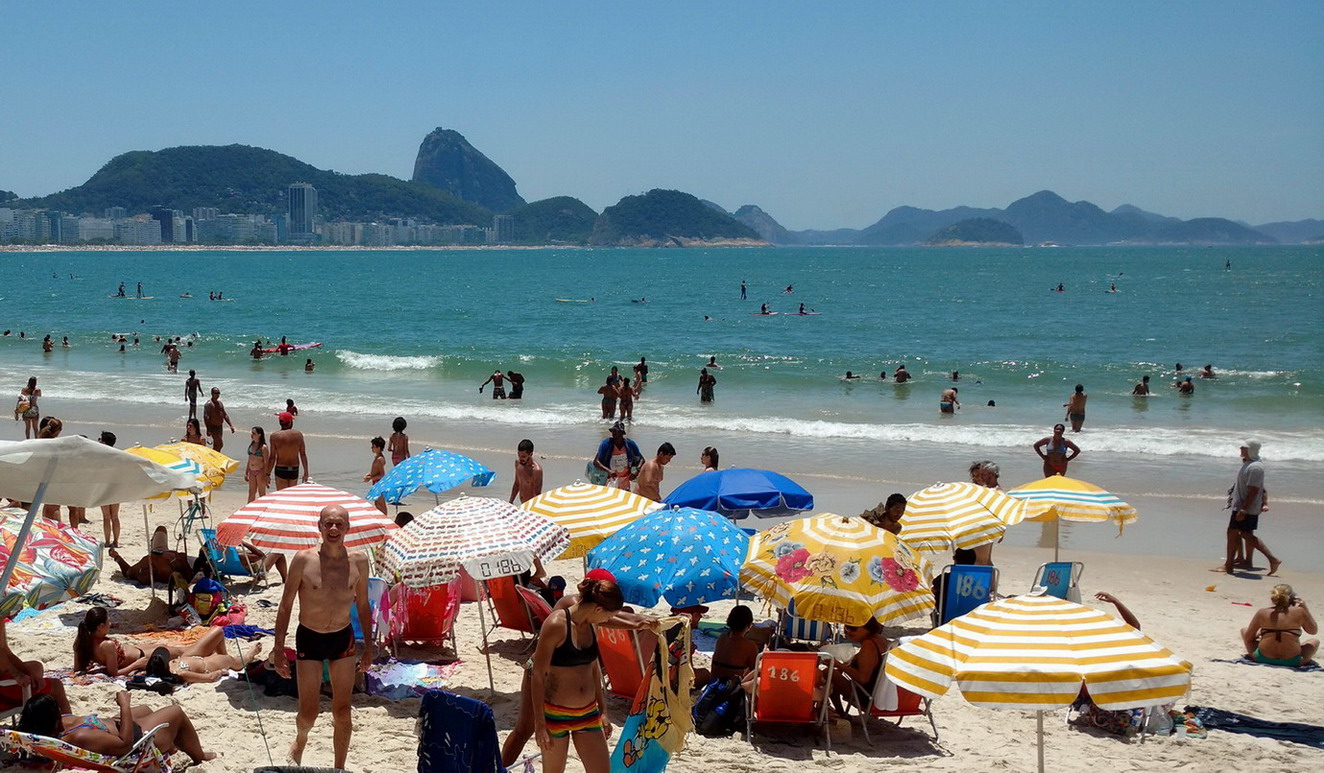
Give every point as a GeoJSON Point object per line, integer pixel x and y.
{"type": "Point", "coordinates": [248, 632]}
{"type": "Point", "coordinates": [1232, 722]}
{"type": "Point", "coordinates": [1245, 661]}
{"type": "Point", "coordinates": [397, 680]}
{"type": "Point", "coordinates": [660, 717]}
{"type": "Point", "coordinates": [456, 735]}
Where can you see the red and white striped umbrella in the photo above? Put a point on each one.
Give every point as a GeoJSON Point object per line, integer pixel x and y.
{"type": "Point", "coordinates": [286, 521]}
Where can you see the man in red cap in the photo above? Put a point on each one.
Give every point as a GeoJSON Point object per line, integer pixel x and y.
{"type": "Point", "coordinates": [288, 453]}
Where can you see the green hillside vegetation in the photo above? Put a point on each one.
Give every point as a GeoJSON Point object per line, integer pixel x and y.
{"type": "Point", "coordinates": [7, 195]}
{"type": "Point", "coordinates": [244, 179]}
{"type": "Point", "coordinates": [665, 216]}
{"type": "Point", "coordinates": [977, 230]}
{"type": "Point", "coordinates": [562, 219]}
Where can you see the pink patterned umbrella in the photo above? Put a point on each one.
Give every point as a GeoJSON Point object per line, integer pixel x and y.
{"type": "Point", "coordinates": [286, 521]}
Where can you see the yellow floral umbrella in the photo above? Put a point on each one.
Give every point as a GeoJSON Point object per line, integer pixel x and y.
{"type": "Point", "coordinates": [215, 465]}
{"type": "Point", "coordinates": [838, 570]}
{"type": "Point", "coordinates": [590, 513]}
{"type": "Point", "coordinates": [962, 515]}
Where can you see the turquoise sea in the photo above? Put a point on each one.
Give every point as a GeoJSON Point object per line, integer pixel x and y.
{"type": "Point", "coordinates": [416, 332]}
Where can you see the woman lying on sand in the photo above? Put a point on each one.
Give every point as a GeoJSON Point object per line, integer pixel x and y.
{"type": "Point", "coordinates": [197, 668]}
{"type": "Point", "coordinates": [1274, 633]}
{"type": "Point", "coordinates": [41, 716]}
{"type": "Point", "coordinates": [93, 646]}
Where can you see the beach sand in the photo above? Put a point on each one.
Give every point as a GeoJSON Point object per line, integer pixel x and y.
{"type": "Point", "coordinates": [1168, 594]}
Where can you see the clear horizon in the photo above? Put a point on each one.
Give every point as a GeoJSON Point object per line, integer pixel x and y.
{"type": "Point", "coordinates": [825, 117]}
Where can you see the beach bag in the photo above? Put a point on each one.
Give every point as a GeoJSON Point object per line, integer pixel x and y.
{"type": "Point", "coordinates": [208, 599]}
{"type": "Point", "coordinates": [273, 685]}
{"type": "Point", "coordinates": [720, 709]}
{"type": "Point", "coordinates": [660, 716]}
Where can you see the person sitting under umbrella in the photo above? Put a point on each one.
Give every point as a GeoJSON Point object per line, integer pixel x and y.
{"type": "Point", "coordinates": [855, 680]}
{"type": "Point", "coordinates": [734, 655]}
{"type": "Point", "coordinates": [43, 716]}
{"type": "Point", "coordinates": [30, 674]}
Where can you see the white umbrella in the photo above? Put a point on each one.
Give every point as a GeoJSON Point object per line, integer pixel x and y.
{"type": "Point", "coordinates": [76, 472]}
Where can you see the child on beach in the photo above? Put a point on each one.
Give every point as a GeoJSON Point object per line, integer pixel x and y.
{"type": "Point", "coordinates": [399, 446]}
{"type": "Point", "coordinates": [378, 469]}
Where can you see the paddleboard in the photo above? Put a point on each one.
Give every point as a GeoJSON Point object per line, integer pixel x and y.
{"type": "Point", "coordinates": [806, 314]}
{"type": "Point", "coordinates": [768, 314]}
{"type": "Point", "coordinates": [294, 348]}
{"type": "Point", "coordinates": [571, 300]}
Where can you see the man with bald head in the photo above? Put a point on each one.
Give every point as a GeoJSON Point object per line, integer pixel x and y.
{"type": "Point", "coordinates": [326, 580]}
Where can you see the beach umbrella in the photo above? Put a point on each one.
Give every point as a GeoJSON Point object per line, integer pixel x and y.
{"type": "Point", "coordinates": [215, 465]}
{"type": "Point", "coordinates": [56, 564]}
{"type": "Point", "coordinates": [172, 462]}
{"type": "Point", "coordinates": [684, 555]}
{"type": "Point", "coordinates": [77, 472]}
{"type": "Point", "coordinates": [436, 470]}
{"type": "Point", "coordinates": [1035, 652]}
{"type": "Point", "coordinates": [738, 493]}
{"type": "Point", "coordinates": [589, 512]}
{"type": "Point", "coordinates": [962, 515]}
{"type": "Point", "coordinates": [487, 537]}
{"type": "Point", "coordinates": [838, 570]}
{"type": "Point", "coordinates": [285, 521]}
{"type": "Point", "coordinates": [1072, 499]}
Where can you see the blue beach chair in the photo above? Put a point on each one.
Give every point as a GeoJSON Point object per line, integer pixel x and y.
{"type": "Point", "coordinates": [225, 560]}
{"type": "Point", "coordinates": [1060, 579]}
{"type": "Point", "coordinates": [964, 587]}
{"type": "Point", "coordinates": [793, 628]}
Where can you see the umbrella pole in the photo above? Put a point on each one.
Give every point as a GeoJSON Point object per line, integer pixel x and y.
{"type": "Point", "coordinates": [491, 686]}
{"type": "Point", "coordinates": [23, 532]}
{"type": "Point", "coordinates": [1041, 740]}
{"type": "Point", "coordinates": [1057, 538]}
{"type": "Point", "coordinates": [147, 529]}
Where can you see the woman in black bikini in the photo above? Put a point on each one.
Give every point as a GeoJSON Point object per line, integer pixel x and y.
{"type": "Point", "coordinates": [734, 655]}
{"type": "Point", "coordinates": [567, 681]}
{"type": "Point", "coordinates": [41, 716]}
{"type": "Point", "coordinates": [855, 680]}
{"type": "Point", "coordinates": [1274, 633]}
{"type": "Point", "coordinates": [93, 646]}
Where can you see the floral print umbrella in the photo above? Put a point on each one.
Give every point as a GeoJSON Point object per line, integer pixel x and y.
{"type": "Point", "coordinates": [57, 563]}
{"type": "Point", "coordinates": [838, 570]}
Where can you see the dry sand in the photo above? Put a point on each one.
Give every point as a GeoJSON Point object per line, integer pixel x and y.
{"type": "Point", "coordinates": [1168, 595]}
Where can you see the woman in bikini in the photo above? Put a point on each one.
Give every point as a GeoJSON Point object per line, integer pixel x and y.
{"type": "Point", "coordinates": [93, 646]}
{"type": "Point", "coordinates": [567, 681]}
{"type": "Point", "coordinates": [256, 471]}
{"type": "Point", "coordinates": [1056, 451]}
{"type": "Point", "coordinates": [31, 414]}
{"type": "Point", "coordinates": [625, 395]}
{"type": "Point", "coordinates": [1274, 633]}
{"type": "Point", "coordinates": [709, 459]}
{"type": "Point", "coordinates": [193, 433]}
{"type": "Point", "coordinates": [198, 668]}
{"type": "Point", "coordinates": [399, 442]}
{"type": "Point", "coordinates": [41, 716]}
{"type": "Point", "coordinates": [856, 679]}
{"type": "Point", "coordinates": [734, 655]}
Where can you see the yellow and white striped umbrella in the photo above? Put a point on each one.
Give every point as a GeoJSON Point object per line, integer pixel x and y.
{"type": "Point", "coordinates": [1072, 499]}
{"type": "Point", "coordinates": [590, 513]}
{"type": "Point", "coordinates": [963, 515]}
{"type": "Point", "coordinates": [215, 465]}
{"type": "Point", "coordinates": [838, 570]}
{"type": "Point", "coordinates": [1034, 652]}
{"type": "Point", "coordinates": [173, 462]}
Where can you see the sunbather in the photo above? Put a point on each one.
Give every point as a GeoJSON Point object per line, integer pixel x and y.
{"type": "Point", "coordinates": [93, 646]}
{"type": "Point", "coordinates": [1274, 633]}
{"type": "Point", "coordinates": [197, 668]}
{"type": "Point", "coordinates": [42, 716]}
{"type": "Point", "coordinates": [856, 679]}
{"type": "Point", "coordinates": [154, 567]}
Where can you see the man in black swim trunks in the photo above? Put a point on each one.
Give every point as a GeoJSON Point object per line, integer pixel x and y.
{"type": "Point", "coordinates": [498, 382]}
{"type": "Point", "coordinates": [327, 580]}
{"type": "Point", "coordinates": [288, 453]}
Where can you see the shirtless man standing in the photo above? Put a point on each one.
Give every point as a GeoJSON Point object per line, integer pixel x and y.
{"type": "Point", "coordinates": [192, 389]}
{"type": "Point", "coordinates": [649, 482]}
{"type": "Point", "coordinates": [948, 402]}
{"type": "Point", "coordinates": [528, 473]}
{"type": "Point", "coordinates": [214, 417]}
{"type": "Point", "coordinates": [326, 580]}
{"type": "Point", "coordinates": [288, 453]}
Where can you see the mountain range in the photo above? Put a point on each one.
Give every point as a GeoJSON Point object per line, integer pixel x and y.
{"type": "Point", "coordinates": [454, 183]}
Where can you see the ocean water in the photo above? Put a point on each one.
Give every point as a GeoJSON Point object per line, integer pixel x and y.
{"type": "Point", "coordinates": [416, 332]}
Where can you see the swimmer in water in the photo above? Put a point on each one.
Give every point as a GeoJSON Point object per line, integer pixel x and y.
{"type": "Point", "coordinates": [1208, 372]}
{"type": "Point", "coordinates": [790, 289]}
{"type": "Point", "coordinates": [849, 376]}
{"type": "Point", "coordinates": [764, 309]}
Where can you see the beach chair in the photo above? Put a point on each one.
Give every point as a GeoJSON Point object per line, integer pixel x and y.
{"type": "Point", "coordinates": [144, 757]}
{"type": "Point", "coordinates": [791, 628]}
{"type": "Point", "coordinates": [225, 560]}
{"type": "Point", "coordinates": [784, 692]}
{"type": "Point", "coordinates": [509, 606]}
{"type": "Point", "coordinates": [891, 701]}
{"type": "Point", "coordinates": [964, 587]}
{"type": "Point", "coordinates": [1060, 579]}
{"type": "Point", "coordinates": [12, 712]}
{"type": "Point", "coordinates": [539, 609]}
{"type": "Point", "coordinates": [424, 615]}
{"type": "Point", "coordinates": [377, 603]}
{"type": "Point", "coordinates": [622, 661]}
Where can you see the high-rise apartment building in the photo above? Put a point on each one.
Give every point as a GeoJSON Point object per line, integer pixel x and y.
{"type": "Point", "coordinates": [302, 199]}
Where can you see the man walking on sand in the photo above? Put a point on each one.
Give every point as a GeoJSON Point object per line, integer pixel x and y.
{"type": "Point", "coordinates": [1246, 498]}
{"type": "Point", "coordinates": [326, 580]}
{"type": "Point", "coordinates": [288, 453]}
{"type": "Point", "coordinates": [528, 473]}
{"type": "Point", "coordinates": [192, 390]}
{"type": "Point", "coordinates": [214, 418]}
{"type": "Point", "coordinates": [649, 482]}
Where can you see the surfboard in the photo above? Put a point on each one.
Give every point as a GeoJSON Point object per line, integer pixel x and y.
{"type": "Point", "coordinates": [571, 300]}
{"type": "Point", "coordinates": [294, 348]}
{"type": "Point", "coordinates": [767, 314]}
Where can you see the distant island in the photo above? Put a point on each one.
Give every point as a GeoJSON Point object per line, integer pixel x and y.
{"type": "Point", "coordinates": [242, 195]}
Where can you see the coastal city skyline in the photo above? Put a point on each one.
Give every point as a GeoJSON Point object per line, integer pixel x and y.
{"type": "Point", "coordinates": [825, 118]}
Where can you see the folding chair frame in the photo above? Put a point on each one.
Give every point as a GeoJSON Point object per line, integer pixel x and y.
{"type": "Point", "coordinates": [751, 705]}
{"type": "Point", "coordinates": [216, 553]}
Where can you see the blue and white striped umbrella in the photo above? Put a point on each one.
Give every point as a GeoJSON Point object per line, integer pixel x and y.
{"type": "Point", "coordinates": [684, 555]}
{"type": "Point", "coordinates": [435, 470]}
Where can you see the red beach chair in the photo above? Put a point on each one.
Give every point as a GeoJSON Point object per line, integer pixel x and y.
{"type": "Point", "coordinates": [511, 610]}
{"type": "Point", "coordinates": [425, 615]}
{"type": "Point", "coordinates": [622, 662]}
{"type": "Point", "coordinates": [784, 692]}
{"type": "Point", "coordinates": [908, 704]}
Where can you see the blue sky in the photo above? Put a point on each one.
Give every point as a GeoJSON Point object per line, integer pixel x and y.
{"type": "Point", "coordinates": [826, 114]}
